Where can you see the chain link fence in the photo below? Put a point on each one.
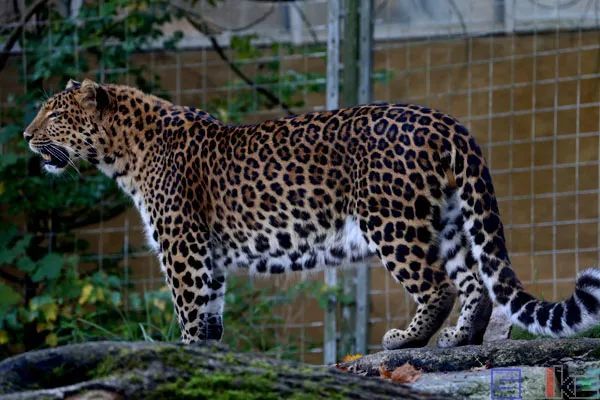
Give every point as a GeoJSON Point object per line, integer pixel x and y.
{"type": "Point", "coordinates": [522, 75]}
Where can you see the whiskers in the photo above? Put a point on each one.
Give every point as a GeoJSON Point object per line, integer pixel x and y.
{"type": "Point", "coordinates": [46, 95]}
{"type": "Point", "coordinates": [54, 152]}
{"type": "Point", "coordinates": [62, 153]}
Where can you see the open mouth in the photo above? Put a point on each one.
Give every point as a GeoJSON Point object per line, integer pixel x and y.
{"type": "Point", "coordinates": [54, 156]}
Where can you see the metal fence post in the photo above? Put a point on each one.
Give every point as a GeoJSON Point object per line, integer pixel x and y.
{"type": "Point", "coordinates": [349, 98]}
{"type": "Point", "coordinates": [365, 66]}
{"type": "Point", "coordinates": [333, 68]}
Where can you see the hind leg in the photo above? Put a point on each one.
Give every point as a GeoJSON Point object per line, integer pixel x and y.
{"type": "Point", "coordinates": [476, 306]}
{"type": "Point", "coordinates": [433, 308]}
{"type": "Point", "coordinates": [407, 249]}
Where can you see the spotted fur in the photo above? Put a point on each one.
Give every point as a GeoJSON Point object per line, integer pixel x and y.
{"type": "Point", "coordinates": [314, 191]}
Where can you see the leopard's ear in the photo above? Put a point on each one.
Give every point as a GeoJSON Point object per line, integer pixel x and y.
{"type": "Point", "coordinates": [72, 84]}
{"type": "Point", "coordinates": [92, 96]}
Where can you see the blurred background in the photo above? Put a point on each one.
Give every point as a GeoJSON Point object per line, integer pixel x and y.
{"type": "Point", "coordinates": [522, 75]}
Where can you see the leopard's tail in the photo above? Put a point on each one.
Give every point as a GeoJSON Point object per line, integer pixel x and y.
{"type": "Point", "coordinates": [564, 318]}
{"type": "Point", "coordinates": [484, 229]}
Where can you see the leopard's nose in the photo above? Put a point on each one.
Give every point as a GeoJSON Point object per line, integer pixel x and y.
{"type": "Point", "coordinates": [28, 136]}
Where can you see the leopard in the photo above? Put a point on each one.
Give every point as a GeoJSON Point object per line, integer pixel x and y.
{"type": "Point", "coordinates": [404, 183]}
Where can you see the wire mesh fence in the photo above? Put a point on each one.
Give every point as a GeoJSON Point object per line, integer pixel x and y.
{"type": "Point", "coordinates": [523, 76]}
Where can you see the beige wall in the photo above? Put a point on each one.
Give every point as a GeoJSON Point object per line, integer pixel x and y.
{"type": "Point", "coordinates": [532, 102]}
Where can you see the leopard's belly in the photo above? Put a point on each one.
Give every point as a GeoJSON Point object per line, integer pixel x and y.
{"type": "Point", "coordinates": [284, 251]}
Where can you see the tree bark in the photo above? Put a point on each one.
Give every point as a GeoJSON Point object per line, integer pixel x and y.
{"type": "Point", "coordinates": [115, 370]}
{"type": "Point", "coordinates": [503, 353]}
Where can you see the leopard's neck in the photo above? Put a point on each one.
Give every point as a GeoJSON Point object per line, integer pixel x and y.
{"type": "Point", "coordinates": [146, 140]}
{"type": "Point", "coordinates": [141, 133]}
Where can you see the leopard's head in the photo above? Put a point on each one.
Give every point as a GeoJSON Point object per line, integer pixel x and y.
{"type": "Point", "coordinates": [68, 126]}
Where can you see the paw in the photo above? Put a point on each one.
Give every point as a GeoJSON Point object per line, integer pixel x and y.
{"type": "Point", "coordinates": [399, 339]}
{"type": "Point", "coordinates": [393, 339]}
{"type": "Point", "coordinates": [210, 327]}
{"type": "Point", "coordinates": [451, 337]}
{"type": "Point", "coordinates": [207, 327]}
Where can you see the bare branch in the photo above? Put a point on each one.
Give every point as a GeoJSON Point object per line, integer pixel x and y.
{"type": "Point", "coordinates": [14, 35]}
{"type": "Point", "coordinates": [248, 25]}
{"type": "Point", "coordinates": [10, 277]}
{"type": "Point", "coordinates": [306, 22]}
{"type": "Point", "coordinates": [272, 97]}
{"type": "Point", "coordinates": [207, 28]}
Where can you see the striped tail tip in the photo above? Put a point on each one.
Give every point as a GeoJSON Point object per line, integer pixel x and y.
{"type": "Point", "coordinates": [566, 318]}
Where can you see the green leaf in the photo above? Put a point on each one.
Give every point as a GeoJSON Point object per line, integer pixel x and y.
{"type": "Point", "coordinates": [26, 264]}
{"type": "Point", "coordinates": [135, 302]}
{"type": "Point", "coordinates": [48, 267]}
{"type": "Point", "coordinates": [11, 321]}
{"type": "Point", "coordinates": [115, 298]}
{"type": "Point", "coordinates": [171, 42]}
{"type": "Point", "coordinates": [7, 234]}
{"type": "Point", "coordinates": [243, 46]}
{"type": "Point", "coordinates": [9, 254]}
{"type": "Point", "coordinates": [39, 301]}
{"type": "Point", "coordinates": [8, 298]}
{"type": "Point", "coordinates": [9, 132]}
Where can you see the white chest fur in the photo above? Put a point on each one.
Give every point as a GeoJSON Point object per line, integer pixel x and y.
{"type": "Point", "coordinates": [148, 228]}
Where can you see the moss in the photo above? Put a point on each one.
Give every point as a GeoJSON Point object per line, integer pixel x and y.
{"type": "Point", "coordinates": [591, 333]}
{"type": "Point", "coordinates": [305, 370]}
{"type": "Point", "coordinates": [58, 370]}
{"type": "Point", "coordinates": [311, 386]}
{"type": "Point", "coordinates": [128, 360]}
{"type": "Point", "coordinates": [195, 382]}
{"type": "Point", "coordinates": [521, 334]}
{"type": "Point", "coordinates": [47, 372]}
{"type": "Point", "coordinates": [261, 364]}
{"type": "Point", "coordinates": [226, 386]}
{"type": "Point", "coordinates": [174, 357]}
{"type": "Point", "coordinates": [230, 359]}
{"type": "Point", "coordinates": [596, 353]}
{"type": "Point", "coordinates": [111, 364]}
{"type": "Point", "coordinates": [60, 375]}
{"type": "Point", "coordinates": [134, 379]}
{"type": "Point", "coordinates": [220, 386]}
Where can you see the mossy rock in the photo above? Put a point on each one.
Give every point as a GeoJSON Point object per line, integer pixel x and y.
{"type": "Point", "coordinates": [114, 370]}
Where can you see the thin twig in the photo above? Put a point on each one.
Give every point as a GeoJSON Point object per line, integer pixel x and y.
{"type": "Point", "coordinates": [463, 27]}
{"type": "Point", "coordinates": [210, 29]}
{"type": "Point", "coordinates": [14, 35]}
{"type": "Point", "coordinates": [249, 24]}
{"type": "Point", "coordinates": [306, 22]}
{"type": "Point", "coordinates": [461, 19]}
{"type": "Point", "coordinates": [272, 97]}
{"type": "Point", "coordinates": [10, 277]}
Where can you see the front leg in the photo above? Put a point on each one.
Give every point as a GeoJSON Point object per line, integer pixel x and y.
{"type": "Point", "coordinates": [198, 289]}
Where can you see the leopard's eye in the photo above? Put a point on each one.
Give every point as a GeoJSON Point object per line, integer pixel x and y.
{"type": "Point", "coordinates": [54, 114]}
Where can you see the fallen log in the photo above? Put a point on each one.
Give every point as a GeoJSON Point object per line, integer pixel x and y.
{"type": "Point", "coordinates": [143, 370]}
{"type": "Point", "coordinates": [503, 353]}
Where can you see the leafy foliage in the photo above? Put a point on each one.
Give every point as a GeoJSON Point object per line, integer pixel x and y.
{"type": "Point", "coordinates": [252, 321]}
{"type": "Point", "coordinates": [287, 83]}
{"type": "Point", "coordinates": [44, 299]}
{"type": "Point", "coordinates": [47, 297]}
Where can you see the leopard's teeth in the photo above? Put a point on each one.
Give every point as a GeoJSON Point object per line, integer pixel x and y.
{"type": "Point", "coordinates": [46, 157]}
